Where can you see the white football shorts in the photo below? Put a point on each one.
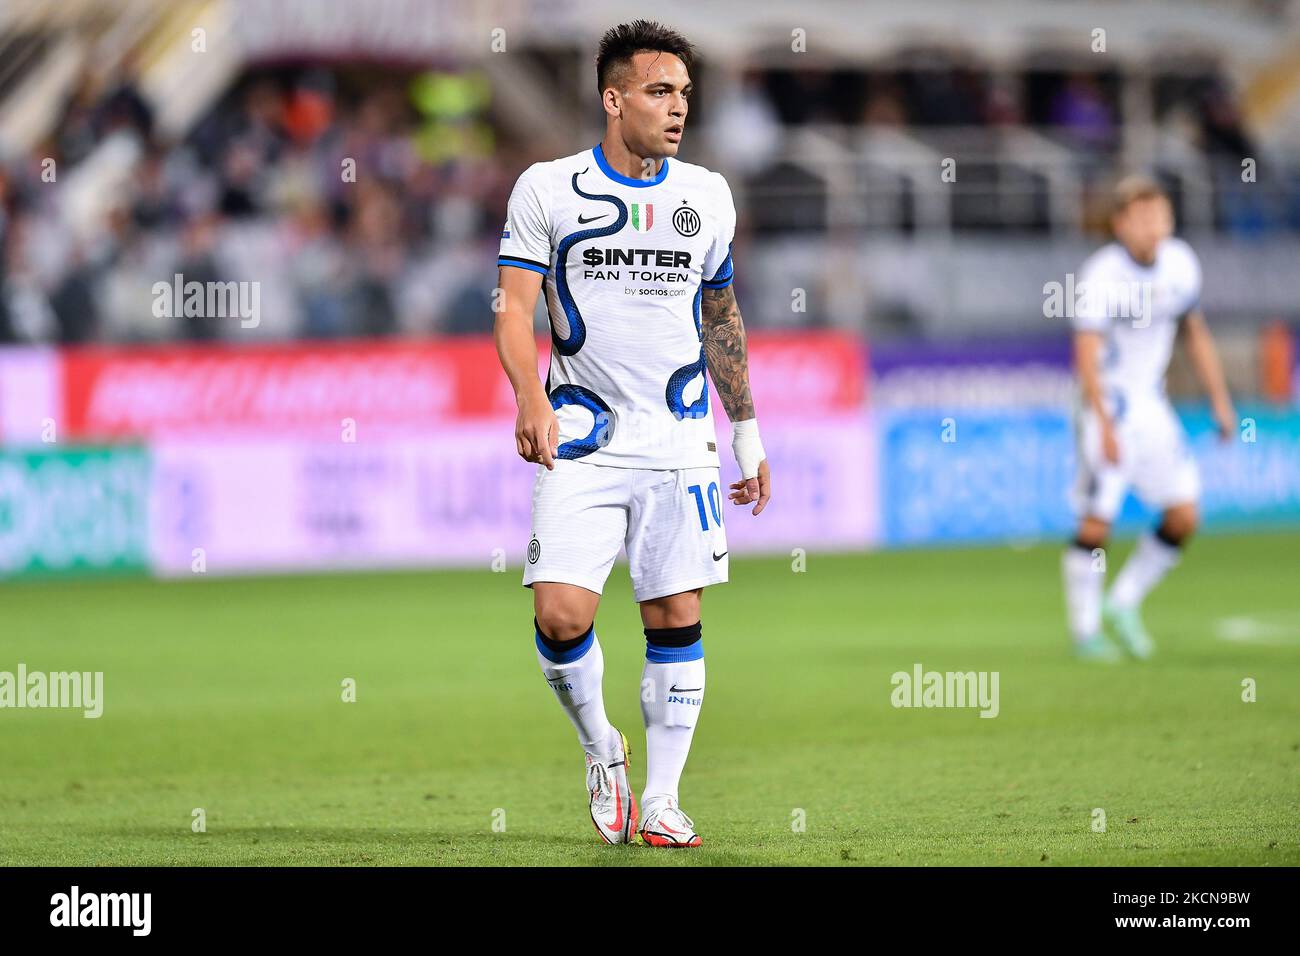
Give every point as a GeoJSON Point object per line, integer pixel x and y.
{"type": "Point", "coordinates": [1154, 461]}
{"type": "Point", "coordinates": [670, 521]}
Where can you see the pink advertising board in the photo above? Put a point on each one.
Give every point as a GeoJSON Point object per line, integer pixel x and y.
{"type": "Point", "coordinates": [458, 495]}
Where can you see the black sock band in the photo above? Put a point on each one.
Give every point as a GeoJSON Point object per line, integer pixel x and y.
{"type": "Point", "coordinates": [673, 636]}
{"type": "Point", "coordinates": [560, 647]}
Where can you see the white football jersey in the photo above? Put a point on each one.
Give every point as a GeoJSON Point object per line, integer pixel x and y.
{"type": "Point", "coordinates": [1138, 309]}
{"type": "Point", "coordinates": [625, 262]}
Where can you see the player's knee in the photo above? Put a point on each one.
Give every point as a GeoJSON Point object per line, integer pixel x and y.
{"type": "Point", "coordinates": [1177, 525]}
{"type": "Point", "coordinates": [561, 620]}
{"type": "Point", "coordinates": [675, 611]}
{"type": "Point", "coordinates": [1091, 534]}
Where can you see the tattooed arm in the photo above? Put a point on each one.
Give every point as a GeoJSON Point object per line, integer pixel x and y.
{"type": "Point", "coordinates": [724, 349]}
{"type": "Point", "coordinates": [727, 357]}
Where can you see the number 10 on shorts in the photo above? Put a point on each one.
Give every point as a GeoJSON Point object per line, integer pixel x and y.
{"type": "Point", "coordinates": [715, 504]}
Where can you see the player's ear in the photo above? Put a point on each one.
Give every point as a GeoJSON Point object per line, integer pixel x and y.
{"type": "Point", "coordinates": [612, 100]}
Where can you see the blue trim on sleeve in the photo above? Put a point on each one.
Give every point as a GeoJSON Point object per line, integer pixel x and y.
{"type": "Point", "coordinates": [618, 177]}
{"type": "Point", "coordinates": [657, 654]}
{"type": "Point", "coordinates": [569, 656]}
{"type": "Point", "coordinates": [726, 272]}
{"type": "Point", "coordinates": [522, 264]}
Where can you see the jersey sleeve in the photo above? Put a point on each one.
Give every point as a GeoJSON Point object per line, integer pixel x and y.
{"type": "Point", "coordinates": [1091, 306]}
{"type": "Point", "coordinates": [718, 271]}
{"type": "Point", "coordinates": [526, 237]}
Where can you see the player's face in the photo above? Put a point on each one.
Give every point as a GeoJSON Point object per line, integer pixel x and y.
{"type": "Point", "coordinates": [1142, 225]}
{"type": "Point", "coordinates": [653, 104]}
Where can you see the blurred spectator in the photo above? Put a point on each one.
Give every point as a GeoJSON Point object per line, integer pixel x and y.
{"type": "Point", "coordinates": [743, 113]}
{"type": "Point", "coordinates": [945, 97]}
{"type": "Point", "coordinates": [885, 107]}
{"type": "Point", "coordinates": [1082, 113]}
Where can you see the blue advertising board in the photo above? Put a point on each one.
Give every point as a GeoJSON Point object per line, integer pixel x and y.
{"type": "Point", "coordinates": [950, 476]}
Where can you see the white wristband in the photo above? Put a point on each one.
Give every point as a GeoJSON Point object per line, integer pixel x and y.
{"type": "Point", "coordinates": [747, 447]}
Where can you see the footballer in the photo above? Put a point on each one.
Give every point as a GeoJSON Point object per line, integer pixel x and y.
{"type": "Point", "coordinates": [1136, 295]}
{"type": "Point", "coordinates": [633, 248]}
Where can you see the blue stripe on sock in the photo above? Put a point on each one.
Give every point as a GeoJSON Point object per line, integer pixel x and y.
{"type": "Point", "coordinates": [572, 654]}
{"type": "Point", "coordinates": [658, 654]}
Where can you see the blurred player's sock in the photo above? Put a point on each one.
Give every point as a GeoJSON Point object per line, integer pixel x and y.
{"type": "Point", "coordinates": [1084, 582]}
{"type": "Point", "coordinates": [672, 691]}
{"type": "Point", "coordinates": [1150, 561]}
{"type": "Point", "coordinates": [574, 670]}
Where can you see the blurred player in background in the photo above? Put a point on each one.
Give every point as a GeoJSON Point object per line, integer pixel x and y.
{"type": "Point", "coordinates": [1135, 294]}
{"type": "Point", "coordinates": [634, 247]}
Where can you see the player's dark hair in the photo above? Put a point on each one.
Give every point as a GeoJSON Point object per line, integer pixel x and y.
{"type": "Point", "coordinates": [621, 43]}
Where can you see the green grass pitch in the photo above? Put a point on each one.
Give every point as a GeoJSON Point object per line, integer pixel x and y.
{"type": "Point", "coordinates": [226, 695]}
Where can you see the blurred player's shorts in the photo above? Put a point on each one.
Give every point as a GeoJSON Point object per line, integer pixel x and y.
{"type": "Point", "coordinates": [1154, 461]}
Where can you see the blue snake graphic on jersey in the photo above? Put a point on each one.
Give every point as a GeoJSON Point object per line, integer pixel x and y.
{"type": "Point", "coordinates": [602, 429]}
{"type": "Point", "coordinates": [683, 376]}
{"type": "Point", "coordinates": [577, 328]}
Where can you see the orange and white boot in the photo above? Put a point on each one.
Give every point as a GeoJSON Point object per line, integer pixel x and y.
{"type": "Point", "coordinates": [666, 826]}
{"type": "Point", "coordinates": [613, 807]}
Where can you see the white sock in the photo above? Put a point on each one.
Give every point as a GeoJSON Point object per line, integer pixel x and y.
{"type": "Point", "coordinates": [575, 676]}
{"type": "Point", "coordinates": [672, 692]}
{"type": "Point", "coordinates": [1083, 587]}
{"type": "Point", "coordinates": [1150, 561]}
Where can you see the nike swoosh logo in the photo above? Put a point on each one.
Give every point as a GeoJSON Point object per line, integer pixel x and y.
{"type": "Point", "coordinates": [582, 221]}
{"type": "Point", "coordinates": [618, 811]}
{"type": "Point", "coordinates": [682, 690]}
{"type": "Point", "coordinates": [719, 557]}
